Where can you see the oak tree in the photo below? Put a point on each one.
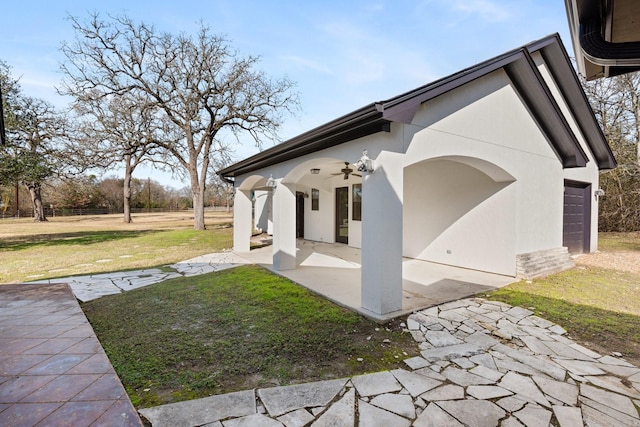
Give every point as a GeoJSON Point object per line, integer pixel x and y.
{"type": "Point", "coordinates": [210, 94]}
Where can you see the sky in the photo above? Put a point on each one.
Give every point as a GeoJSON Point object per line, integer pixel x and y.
{"type": "Point", "coordinates": [342, 54]}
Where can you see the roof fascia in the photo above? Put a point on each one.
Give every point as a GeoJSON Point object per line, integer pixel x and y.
{"type": "Point", "coordinates": [532, 88]}
{"type": "Point", "coordinates": [376, 117]}
{"type": "Point", "coordinates": [559, 64]}
{"type": "Point", "coordinates": [365, 121]}
{"type": "Point", "coordinates": [404, 107]}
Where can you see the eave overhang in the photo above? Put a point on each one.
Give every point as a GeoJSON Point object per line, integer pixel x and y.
{"type": "Point", "coordinates": [526, 79]}
{"type": "Point", "coordinates": [605, 36]}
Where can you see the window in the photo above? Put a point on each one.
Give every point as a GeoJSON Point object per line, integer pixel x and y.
{"type": "Point", "coordinates": [356, 204]}
{"type": "Point", "coordinates": [315, 199]}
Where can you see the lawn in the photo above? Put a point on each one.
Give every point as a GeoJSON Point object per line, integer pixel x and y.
{"type": "Point", "coordinates": [247, 328]}
{"type": "Point", "coordinates": [234, 330]}
{"type": "Point", "coordinates": [599, 307]}
{"type": "Point", "coordinates": [66, 246]}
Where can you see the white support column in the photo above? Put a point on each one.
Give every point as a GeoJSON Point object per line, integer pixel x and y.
{"type": "Point", "coordinates": [261, 210]}
{"type": "Point", "coordinates": [284, 228]}
{"type": "Point", "coordinates": [242, 221]}
{"type": "Point", "coordinates": [381, 285]}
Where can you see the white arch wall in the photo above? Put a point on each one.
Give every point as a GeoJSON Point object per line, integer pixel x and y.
{"type": "Point", "coordinates": [487, 120]}
{"type": "Point", "coordinates": [456, 215]}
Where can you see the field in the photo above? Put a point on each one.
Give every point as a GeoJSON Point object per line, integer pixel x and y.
{"type": "Point", "coordinates": [77, 245]}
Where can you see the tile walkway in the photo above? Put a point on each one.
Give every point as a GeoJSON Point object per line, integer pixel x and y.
{"type": "Point", "coordinates": [482, 364]}
{"type": "Point", "coordinates": [53, 371]}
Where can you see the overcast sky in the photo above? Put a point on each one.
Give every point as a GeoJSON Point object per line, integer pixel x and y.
{"type": "Point", "coordinates": [342, 54]}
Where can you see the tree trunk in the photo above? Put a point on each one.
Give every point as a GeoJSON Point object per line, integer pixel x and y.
{"type": "Point", "coordinates": [126, 189]}
{"type": "Point", "coordinates": [36, 200]}
{"type": "Point", "coordinates": [197, 190]}
{"type": "Point", "coordinates": [197, 193]}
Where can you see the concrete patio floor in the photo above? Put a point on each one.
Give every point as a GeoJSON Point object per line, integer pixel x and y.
{"type": "Point", "coordinates": [333, 271]}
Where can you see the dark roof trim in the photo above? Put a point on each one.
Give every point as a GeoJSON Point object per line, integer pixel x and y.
{"type": "Point", "coordinates": [531, 86]}
{"type": "Point", "coordinates": [363, 122]}
{"type": "Point", "coordinates": [601, 52]}
{"type": "Point", "coordinates": [377, 117]}
{"type": "Point", "coordinates": [558, 63]}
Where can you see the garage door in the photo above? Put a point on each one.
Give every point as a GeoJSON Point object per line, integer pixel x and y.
{"type": "Point", "coordinates": [577, 217]}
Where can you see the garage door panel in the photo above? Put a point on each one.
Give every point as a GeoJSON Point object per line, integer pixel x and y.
{"type": "Point", "coordinates": [577, 218]}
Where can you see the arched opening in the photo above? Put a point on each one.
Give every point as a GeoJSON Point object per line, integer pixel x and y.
{"type": "Point", "coordinates": [460, 211]}
{"type": "Point", "coordinates": [327, 192]}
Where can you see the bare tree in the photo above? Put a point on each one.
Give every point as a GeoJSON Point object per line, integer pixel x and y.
{"type": "Point", "coordinates": [204, 88]}
{"type": "Point", "coordinates": [615, 102]}
{"type": "Point", "coordinates": [117, 129]}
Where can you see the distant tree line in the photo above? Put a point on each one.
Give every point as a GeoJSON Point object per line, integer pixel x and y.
{"type": "Point", "coordinates": [88, 194]}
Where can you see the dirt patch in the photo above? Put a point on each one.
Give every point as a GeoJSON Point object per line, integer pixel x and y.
{"type": "Point", "coordinates": [619, 260]}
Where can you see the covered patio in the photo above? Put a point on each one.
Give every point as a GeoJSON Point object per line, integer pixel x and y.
{"type": "Point", "coordinates": [334, 271]}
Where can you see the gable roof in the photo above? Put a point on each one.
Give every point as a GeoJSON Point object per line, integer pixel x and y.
{"type": "Point", "coordinates": [527, 81]}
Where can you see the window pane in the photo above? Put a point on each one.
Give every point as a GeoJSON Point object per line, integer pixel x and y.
{"type": "Point", "coordinates": [357, 202]}
{"type": "Point", "coordinates": [315, 199]}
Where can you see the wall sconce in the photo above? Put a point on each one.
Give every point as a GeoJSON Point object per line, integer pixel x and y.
{"type": "Point", "coordinates": [272, 183]}
{"type": "Point", "coordinates": [598, 193]}
{"type": "Point", "coordinates": [306, 195]}
{"type": "Point", "coordinates": [365, 164]}
{"type": "Point", "coordinates": [315, 171]}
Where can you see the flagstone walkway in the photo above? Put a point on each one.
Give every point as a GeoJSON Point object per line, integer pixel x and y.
{"type": "Point", "coordinates": [87, 288]}
{"type": "Point", "coordinates": [482, 363]}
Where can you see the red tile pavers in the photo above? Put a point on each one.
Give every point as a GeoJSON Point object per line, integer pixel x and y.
{"type": "Point", "coordinates": [53, 371]}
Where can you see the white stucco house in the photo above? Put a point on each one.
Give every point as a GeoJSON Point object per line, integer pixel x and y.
{"type": "Point", "coordinates": [494, 168]}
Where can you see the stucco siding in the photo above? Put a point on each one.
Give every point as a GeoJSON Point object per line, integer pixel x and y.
{"type": "Point", "coordinates": [454, 214]}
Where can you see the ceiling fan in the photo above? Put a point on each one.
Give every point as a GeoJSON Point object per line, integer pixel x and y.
{"type": "Point", "coordinates": [346, 171]}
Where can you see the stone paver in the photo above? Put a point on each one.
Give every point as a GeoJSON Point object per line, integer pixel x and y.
{"type": "Point", "coordinates": [87, 288]}
{"type": "Point", "coordinates": [483, 364]}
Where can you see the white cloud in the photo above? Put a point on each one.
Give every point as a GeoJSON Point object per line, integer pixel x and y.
{"type": "Point", "coordinates": [301, 62]}
{"type": "Point", "coordinates": [487, 10]}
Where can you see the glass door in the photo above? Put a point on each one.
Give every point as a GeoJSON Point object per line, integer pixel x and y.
{"type": "Point", "coordinates": [342, 215]}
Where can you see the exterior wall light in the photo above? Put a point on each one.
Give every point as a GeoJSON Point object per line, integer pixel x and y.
{"type": "Point", "coordinates": [315, 171]}
{"type": "Point", "coordinates": [365, 164]}
{"type": "Point", "coordinates": [272, 183]}
{"type": "Point", "coordinates": [598, 193]}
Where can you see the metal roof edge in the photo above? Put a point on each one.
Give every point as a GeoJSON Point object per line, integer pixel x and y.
{"type": "Point", "coordinates": [401, 108]}
{"type": "Point", "coordinates": [556, 56]}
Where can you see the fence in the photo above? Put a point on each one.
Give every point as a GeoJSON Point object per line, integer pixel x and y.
{"type": "Point", "coordinates": [52, 213]}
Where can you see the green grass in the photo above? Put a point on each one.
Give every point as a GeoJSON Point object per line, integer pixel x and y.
{"type": "Point", "coordinates": [611, 242]}
{"type": "Point", "coordinates": [235, 330]}
{"type": "Point", "coordinates": [74, 246]}
{"type": "Point", "coordinates": [598, 307]}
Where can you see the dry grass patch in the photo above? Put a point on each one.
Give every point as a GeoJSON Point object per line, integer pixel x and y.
{"type": "Point", "coordinates": [66, 246]}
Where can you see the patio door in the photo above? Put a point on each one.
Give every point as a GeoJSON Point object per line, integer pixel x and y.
{"type": "Point", "coordinates": [342, 215]}
{"type": "Point", "coordinates": [299, 214]}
